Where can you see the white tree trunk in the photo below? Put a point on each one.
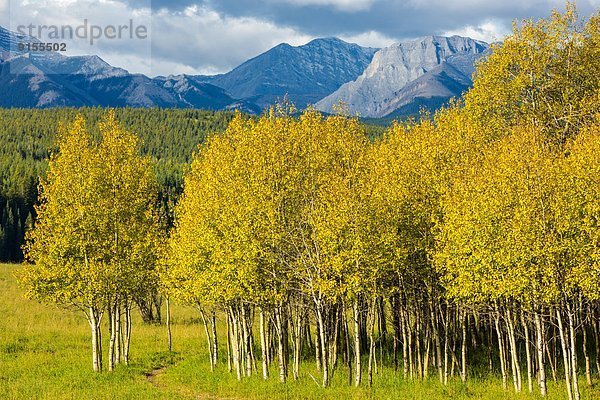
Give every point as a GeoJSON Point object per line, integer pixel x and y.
{"type": "Point", "coordinates": [539, 331]}
{"type": "Point", "coordinates": [565, 352]}
{"type": "Point", "coordinates": [527, 353]}
{"type": "Point", "coordinates": [357, 363]}
{"type": "Point", "coordinates": [169, 335]}
{"type": "Point", "coordinates": [263, 345]}
{"type": "Point", "coordinates": [573, 351]}
{"type": "Point", "coordinates": [94, 325]}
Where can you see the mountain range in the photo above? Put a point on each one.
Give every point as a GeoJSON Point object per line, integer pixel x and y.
{"type": "Point", "coordinates": [393, 81]}
{"type": "Point", "coordinates": [305, 73]}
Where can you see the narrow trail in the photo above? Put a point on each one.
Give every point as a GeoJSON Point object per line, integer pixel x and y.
{"type": "Point", "coordinates": [152, 375]}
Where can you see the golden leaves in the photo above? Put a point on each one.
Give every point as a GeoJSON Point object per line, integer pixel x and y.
{"type": "Point", "coordinates": [96, 234]}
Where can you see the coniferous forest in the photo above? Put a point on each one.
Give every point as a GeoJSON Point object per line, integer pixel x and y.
{"type": "Point", "coordinates": [28, 137]}
{"type": "Point", "coordinates": [462, 245]}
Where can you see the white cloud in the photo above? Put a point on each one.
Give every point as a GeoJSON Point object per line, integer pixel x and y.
{"type": "Point", "coordinates": [44, 15]}
{"type": "Point", "coordinates": [4, 13]}
{"type": "Point", "coordinates": [201, 40]}
{"type": "Point", "coordinates": [369, 39]}
{"type": "Point", "coordinates": [195, 40]}
{"type": "Point", "coordinates": [514, 7]}
{"type": "Point", "coordinates": [341, 5]}
{"type": "Point", "coordinates": [209, 42]}
{"type": "Point", "coordinates": [489, 31]}
{"type": "Point", "coordinates": [483, 4]}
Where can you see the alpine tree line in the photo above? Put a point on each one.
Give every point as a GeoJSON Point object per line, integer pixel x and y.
{"type": "Point", "coordinates": [459, 245]}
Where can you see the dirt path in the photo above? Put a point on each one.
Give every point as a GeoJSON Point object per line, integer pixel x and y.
{"type": "Point", "coordinates": [153, 378]}
{"type": "Point", "coordinates": [152, 375]}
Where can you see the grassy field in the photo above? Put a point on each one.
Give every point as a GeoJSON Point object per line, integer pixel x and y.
{"type": "Point", "coordinates": [44, 354]}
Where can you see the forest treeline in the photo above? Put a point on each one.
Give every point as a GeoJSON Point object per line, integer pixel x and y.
{"type": "Point", "coordinates": [463, 245]}
{"type": "Point", "coordinates": [28, 136]}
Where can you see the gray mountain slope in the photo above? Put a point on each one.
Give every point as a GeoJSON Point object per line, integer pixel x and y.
{"type": "Point", "coordinates": [442, 82]}
{"type": "Point", "coordinates": [379, 88]}
{"type": "Point", "coordinates": [305, 73]}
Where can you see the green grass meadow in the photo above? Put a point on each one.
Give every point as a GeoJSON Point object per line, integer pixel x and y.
{"type": "Point", "coordinates": [45, 354]}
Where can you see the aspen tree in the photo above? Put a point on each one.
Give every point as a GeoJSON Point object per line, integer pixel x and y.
{"type": "Point", "coordinates": [545, 75]}
{"type": "Point", "coordinates": [65, 268]}
{"type": "Point", "coordinates": [95, 239]}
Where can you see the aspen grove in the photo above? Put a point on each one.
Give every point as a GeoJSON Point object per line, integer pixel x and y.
{"type": "Point", "coordinates": [463, 244]}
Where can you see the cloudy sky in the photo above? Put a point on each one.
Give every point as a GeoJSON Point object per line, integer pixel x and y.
{"type": "Point", "coordinates": [213, 36]}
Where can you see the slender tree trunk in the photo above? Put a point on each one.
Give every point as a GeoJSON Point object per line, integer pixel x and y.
{"type": "Point", "coordinates": [438, 348]}
{"type": "Point", "coordinates": [280, 345]}
{"type": "Point", "coordinates": [297, 337]}
{"type": "Point", "coordinates": [214, 338]}
{"type": "Point", "coordinates": [269, 337]}
{"type": "Point", "coordinates": [527, 353]}
{"type": "Point", "coordinates": [500, 348]}
{"type": "Point", "coordinates": [427, 353]}
{"type": "Point", "coordinates": [251, 337]}
{"type": "Point", "coordinates": [235, 344]}
{"type": "Point", "coordinates": [95, 327]}
{"type": "Point", "coordinates": [348, 350]}
{"type": "Point", "coordinates": [418, 331]}
{"type": "Point", "coordinates": [286, 342]}
{"type": "Point", "coordinates": [371, 327]}
{"type": "Point", "coordinates": [169, 335]}
{"type": "Point", "coordinates": [409, 335]}
{"type": "Point", "coordinates": [446, 344]}
{"type": "Point", "coordinates": [596, 341]}
{"type": "Point", "coordinates": [541, 343]}
{"type": "Point", "coordinates": [552, 360]}
{"type": "Point", "coordinates": [454, 360]}
{"type": "Point", "coordinates": [99, 343]}
{"type": "Point", "coordinates": [563, 342]}
{"type": "Point", "coordinates": [405, 344]}
{"type": "Point", "coordinates": [513, 350]}
{"type": "Point", "coordinates": [381, 319]}
{"type": "Point", "coordinates": [119, 334]}
{"type": "Point", "coordinates": [573, 350]}
{"type": "Point", "coordinates": [336, 315]}
{"type": "Point", "coordinates": [208, 340]}
{"type": "Point", "coordinates": [229, 355]}
{"type": "Point", "coordinates": [463, 374]}
{"type": "Point", "coordinates": [396, 321]}
{"type": "Point", "coordinates": [263, 344]}
{"type": "Point", "coordinates": [112, 336]}
{"type": "Point", "coordinates": [586, 355]}
{"type": "Point", "coordinates": [490, 345]}
{"type": "Point", "coordinates": [317, 343]}
{"type": "Point", "coordinates": [127, 342]}
{"type": "Point", "coordinates": [357, 363]}
{"type": "Point", "coordinates": [324, 345]}
{"type": "Point", "coordinates": [246, 338]}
